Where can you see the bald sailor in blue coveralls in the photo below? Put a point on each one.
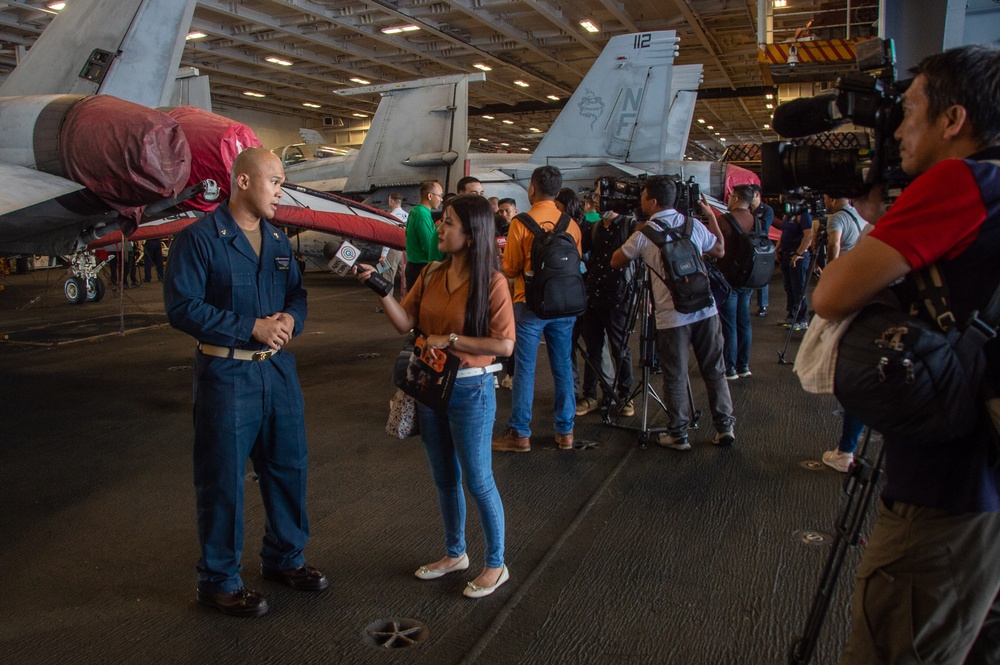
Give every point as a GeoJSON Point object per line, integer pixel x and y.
{"type": "Point", "coordinates": [233, 284]}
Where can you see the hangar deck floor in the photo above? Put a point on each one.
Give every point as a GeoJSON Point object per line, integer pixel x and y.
{"type": "Point", "coordinates": [617, 554]}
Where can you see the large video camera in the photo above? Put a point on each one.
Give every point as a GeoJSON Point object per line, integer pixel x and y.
{"type": "Point", "coordinates": [871, 100]}
{"type": "Point", "coordinates": [623, 195]}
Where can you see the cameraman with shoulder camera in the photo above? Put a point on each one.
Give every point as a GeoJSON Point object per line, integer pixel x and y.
{"type": "Point", "coordinates": [927, 587]}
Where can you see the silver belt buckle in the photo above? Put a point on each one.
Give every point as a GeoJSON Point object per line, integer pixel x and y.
{"type": "Point", "coordinates": [261, 355]}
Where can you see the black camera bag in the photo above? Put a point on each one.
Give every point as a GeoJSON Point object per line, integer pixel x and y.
{"type": "Point", "coordinates": [684, 272]}
{"type": "Point", "coordinates": [753, 256]}
{"type": "Point", "coordinates": [911, 379]}
{"type": "Point", "coordinates": [555, 288]}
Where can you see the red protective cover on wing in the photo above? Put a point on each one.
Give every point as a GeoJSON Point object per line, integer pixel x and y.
{"type": "Point", "coordinates": [215, 142]}
{"type": "Point", "coordinates": [352, 226]}
{"type": "Point", "coordinates": [128, 155]}
{"type": "Point", "coordinates": [737, 175]}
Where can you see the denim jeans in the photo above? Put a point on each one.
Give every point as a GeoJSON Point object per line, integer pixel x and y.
{"type": "Point", "coordinates": [458, 442]}
{"type": "Point", "coordinates": [734, 313]}
{"type": "Point", "coordinates": [675, 345]}
{"type": "Point", "coordinates": [558, 343]}
{"type": "Point", "coordinates": [850, 433]}
{"type": "Point", "coordinates": [763, 297]}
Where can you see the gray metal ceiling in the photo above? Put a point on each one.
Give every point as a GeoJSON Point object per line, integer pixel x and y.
{"type": "Point", "coordinates": [538, 42]}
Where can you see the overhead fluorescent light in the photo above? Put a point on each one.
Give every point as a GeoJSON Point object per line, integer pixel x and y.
{"type": "Point", "coordinates": [396, 29]}
{"type": "Point", "coordinates": [487, 117]}
{"type": "Point", "coordinates": [278, 61]}
{"type": "Point", "coordinates": [196, 34]}
{"type": "Point", "coordinates": [718, 133]}
{"type": "Point", "coordinates": [485, 68]}
{"type": "Point", "coordinates": [769, 96]}
{"type": "Point", "coordinates": [251, 93]}
{"type": "Point", "coordinates": [507, 122]}
{"type": "Point", "coordinates": [485, 140]}
{"type": "Point", "coordinates": [526, 149]}
{"type": "Point", "coordinates": [589, 25]}
{"type": "Point", "coordinates": [552, 97]}
{"type": "Point", "coordinates": [701, 120]}
{"type": "Point", "coordinates": [534, 129]}
{"type": "Point", "coordinates": [360, 80]}
{"type": "Point", "coordinates": [767, 126]}
{"type": "Point", "coordinates": [360, 115]}
{"type": "Point", "coordinates": [709, 127]}
{"type": "Point", "coordinates": [311, 105]}
{"type": "Point", "coordinates": [56, 6]}
{"type": "Point", "coordinates": [722, 138]}
{"type": "Point", "coordinates": [521, 83]}
{"type": "Point", "coordinates": [769, 105]}
{"type": "Point", "coordinates": [780, 3]}
{"type": "Point", "coordinates": [505, 144]}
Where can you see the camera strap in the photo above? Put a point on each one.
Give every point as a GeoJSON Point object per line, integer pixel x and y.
{"type": "Point", "coordinates": [857, 223]}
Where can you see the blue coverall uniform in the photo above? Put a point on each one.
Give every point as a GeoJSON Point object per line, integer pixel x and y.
{"type": "Point", "coordinates": [215, 289]}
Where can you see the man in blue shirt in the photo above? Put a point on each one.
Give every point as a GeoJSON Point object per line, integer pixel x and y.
{"type": "Point", "coordinates": [793, 256]}
{"type": "Point", "coordinates": [233, 284]}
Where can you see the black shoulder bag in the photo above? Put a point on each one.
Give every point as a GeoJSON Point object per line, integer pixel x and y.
{"type": "Point", "coordinates": [910, 379]}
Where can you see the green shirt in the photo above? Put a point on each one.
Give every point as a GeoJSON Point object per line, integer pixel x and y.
{"type": "Point", "coordinates": [421, 236]}
{"type": "Point", "coordinates": [592, 216]}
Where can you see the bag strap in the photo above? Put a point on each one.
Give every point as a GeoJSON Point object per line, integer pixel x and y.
{"type": "Point", "coordinates": [658, 238]}
{"type": "Point", "coordinates": [857, 223]}
{"type": "Point", "coordinates": [935, 296]}
{"type": "Point", "coordinates": [536, 229]}
{"type": "Point", "coordinates": [736, 225]}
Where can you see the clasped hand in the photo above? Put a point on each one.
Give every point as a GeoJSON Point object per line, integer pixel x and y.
{"type": "Point", "coordinates": [274, 330]}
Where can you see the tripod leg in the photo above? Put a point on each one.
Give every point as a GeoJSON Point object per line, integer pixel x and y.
{"type": "Point", "coordinates": [695, 413]}
{"type": "Point", "coordinates": [862, 482]}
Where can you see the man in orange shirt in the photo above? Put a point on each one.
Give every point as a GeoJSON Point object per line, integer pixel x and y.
{"type": "Point", "coordinates": [546, 181]}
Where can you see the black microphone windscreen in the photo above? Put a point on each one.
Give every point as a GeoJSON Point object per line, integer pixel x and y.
{"type": "Point", "coordinates": [807, 116]}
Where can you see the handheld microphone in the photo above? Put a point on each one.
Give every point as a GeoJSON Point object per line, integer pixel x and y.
{"type": "Point", "coordinates": [344, 259]}
{"type": "Point", "coordinates": [808, 116]}
{"type": "Point", "coordinates": [378, 284]}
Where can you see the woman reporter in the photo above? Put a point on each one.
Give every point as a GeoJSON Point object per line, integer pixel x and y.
{"type": "Point", "coordinates": [463, 304]}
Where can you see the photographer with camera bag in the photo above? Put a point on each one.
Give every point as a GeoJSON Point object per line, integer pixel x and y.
{"type": "Point", "coordinates": [677, 331]}
{"type": "Point", "coordinates": [926, 589]}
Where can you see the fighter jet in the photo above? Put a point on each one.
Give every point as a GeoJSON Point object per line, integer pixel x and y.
{"type": "Point", "coordinates": [83, 155]}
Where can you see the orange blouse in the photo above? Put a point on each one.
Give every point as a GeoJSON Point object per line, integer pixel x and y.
{"type": "Point", "coordinates": [438, 312]}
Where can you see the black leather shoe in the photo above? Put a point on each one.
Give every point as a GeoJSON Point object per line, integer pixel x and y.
{"type": "Point", "coordinates": [242, 603]}
{"type": "Point", "coordinates": [303, 578]}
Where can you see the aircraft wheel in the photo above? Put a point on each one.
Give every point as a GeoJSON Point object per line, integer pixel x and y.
{"type": "Point", "coordinates": [95, 289]}
{"type": "Point", "coordinates": [74, 290]}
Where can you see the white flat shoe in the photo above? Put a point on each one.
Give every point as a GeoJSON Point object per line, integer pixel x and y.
{"type": "Point", "coordinates": [472, 590]}
{"type": "Point", "coordinates": [425, 573]}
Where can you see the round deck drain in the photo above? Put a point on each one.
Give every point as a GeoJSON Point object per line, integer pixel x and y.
{"type": "Point", "coordinates": [809, 537]}
{"type": "Point", "coordinates": [812, 465]}
{"type": "Point", "coordinates": [396, 633]}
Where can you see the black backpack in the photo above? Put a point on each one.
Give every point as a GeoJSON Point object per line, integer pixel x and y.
{"type": "Point", "coordinates": [752, 262]}
{"type": "Point", "coordinates": [684, 271]}
{"type": "Point", "coordinates": [554, 288]}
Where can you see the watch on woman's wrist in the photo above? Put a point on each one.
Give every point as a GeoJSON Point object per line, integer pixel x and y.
{"type": "Point", "coordinates": [452, 339]}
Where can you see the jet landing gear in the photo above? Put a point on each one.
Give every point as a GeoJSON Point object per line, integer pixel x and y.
{"type": "Point", "coordinates": [85, 285]}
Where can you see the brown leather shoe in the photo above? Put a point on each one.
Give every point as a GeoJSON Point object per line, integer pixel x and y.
{"type": "Point", "coordinates": [565, 441]}
{"type": "Point", "coordinates": [241, 603]}
{"type": "Point", "coordinates": [303, 578]}
{"type": "Point", "coordinates": [511, 442]}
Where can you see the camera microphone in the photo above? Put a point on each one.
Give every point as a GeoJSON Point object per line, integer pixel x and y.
{"type": "Point", "coordinates": [808, 116]}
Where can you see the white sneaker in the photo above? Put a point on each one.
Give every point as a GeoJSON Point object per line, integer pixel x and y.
{"type": "Point", "coordinates": [726, 438]}
{"type": "Point", "coordinates": [838, 461]}
{"type": "Point", "coordinates": [675, 442]}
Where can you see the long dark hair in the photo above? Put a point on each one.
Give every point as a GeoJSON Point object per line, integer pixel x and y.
{"type": "Point", "coordinates": [571, 203]}
{"type": "Point", "coordinates": [476, 215]}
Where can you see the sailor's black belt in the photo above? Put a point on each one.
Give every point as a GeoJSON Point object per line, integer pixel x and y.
{"type": "Point", "coordinates": [235, 354]}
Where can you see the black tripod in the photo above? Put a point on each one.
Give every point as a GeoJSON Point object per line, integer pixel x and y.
{"type": "Point", "coordinates": [860, 486]}
{"type": "Point", "coordinates": [640, 314]}
{"type": "Point", "coordinates": [803, 303]}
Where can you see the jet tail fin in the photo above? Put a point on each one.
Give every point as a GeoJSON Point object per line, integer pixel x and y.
{"type": "Point", "coordinates": [683, 95]}
{"type": "Point", "coordinates": [618, 111]}
{"type": "Point", "coordinates": [419, 132]}
{"type": "Point", "coordinates": [126, 48]}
